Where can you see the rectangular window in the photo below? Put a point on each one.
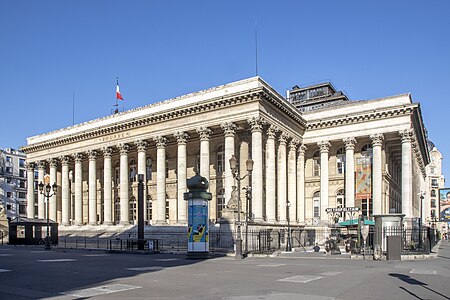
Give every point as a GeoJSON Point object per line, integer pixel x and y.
{"type": "Point", "coordinates": [22, 173]}
{"type": "Point", "coordinates": [220, 163]}
{"type": "Point", "coordinates": [8, 194]}
{"type": "Point", "coordinates": [22, 195]}
{"type": "Point", "coordinates": [22, 162]}
{"type": "Point", "coordinates": [433, 203]}
{"type": "Point", "coordinates": [36, 175]}
{"type": "Point", "coordinates": [340, 165]}
{"type": "Point", "coordinates": [434, 183]}
{"type": "Point", "coordinates": [8, 159]}
{"type": "Point", "coordinates": [22, 184]}
{"type": "Point", "coordinates": [8, 180]}
{"type": "Point", "coordinates": [22, 209]}
{"type": "Point", "coordinates": [316, 171]}
{"type": "Point", "coordinates": [316, 208]}
{"type": "Point", "coordinates": [8, 170]}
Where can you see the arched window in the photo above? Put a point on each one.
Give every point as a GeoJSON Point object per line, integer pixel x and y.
{"type": "Point", "coordinates": [117, 173]}
{"type": "Point", "coordinates": [340, 161]}
{"type": "Point", "coordinates": [433, 193]}
{"type": "Point", "coordinates": [167, 166]}
{"type": "Point", "coordinates": [220, 202]}
{"type": "Point", "coordinates": [117, 209]}
{"type": "Point", "coordinates": [367, 150]}
{"type": "Point", "coordinates": [133, 209]}
{"type": "Point", "coordinates": [220, 160]}
{"type": "Point", "coordinates": [133, 170]}
{"type": "Point", "coordinates": [316, 204]}
{"type": "Point", "coordinates": [148, 167]}
{"type": "Point", "coordinates": [316, 164]}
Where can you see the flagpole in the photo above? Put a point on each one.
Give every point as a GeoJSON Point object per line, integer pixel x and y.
{"type": "Point", "coordinates": [117, 103]}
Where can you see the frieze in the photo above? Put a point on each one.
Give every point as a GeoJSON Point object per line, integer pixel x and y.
{"type": "Point", "coordinates": [114, 137]}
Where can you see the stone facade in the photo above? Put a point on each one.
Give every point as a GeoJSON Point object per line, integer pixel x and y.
{"type": "Point", "coordinates": [303, 162]}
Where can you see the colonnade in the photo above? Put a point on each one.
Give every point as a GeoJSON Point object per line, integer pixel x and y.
{"type": "Point", "coordinates": [278, 190]}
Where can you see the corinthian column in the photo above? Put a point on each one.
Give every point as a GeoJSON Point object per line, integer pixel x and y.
{"type": "Point", "coordinates": [41, 203]}
{"type": "Point", "coordinates": [256, 124]}
{"type": "Point", "coordinates": [30, 190]}
{"type": "Point", "coordinates": [324, 181]}
{"type": "Point", "coordinates": [271, 175]}
{"type": "Point", "coordinates": [349, 171]}
{"type": "Point", "coordinates": [92, 154]}
{"type": "Point", "coordinates": [301, 183]}
{"type": "Point", "coordinates": [182, 176]}
{"type": "Point", "coordinates": [52, 209]}
{"type": "Point", "coordinates": [377, 142]}
{"type": "Point", "coordinates": [107, 186]}
{"type": "Point", "coordinates": [229, 130]}
{"type": "Point", "coordinates": [141, 148]}
{"type": "Point", "coordinates": [124, 184]}
{"type": "Point", "coordinates": [78, 157]}
{"type": "Point", "coordinates": [292, 180]}
{"type": "Point", "coordinates": [160, 180]}
{"type": "Point", "coordinates": [407, 136]}
{"type": "Point", "coordinates": [281, 178]}
{"type": "Point", "coordinates": [205, 134]}
{"type": "Point", "coordinates": [65, 192]}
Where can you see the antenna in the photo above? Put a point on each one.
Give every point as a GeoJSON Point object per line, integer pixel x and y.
{"type": "Point", "coordinates": [256, 48]}
{"type": "Point", "coordinates": [73, 108]}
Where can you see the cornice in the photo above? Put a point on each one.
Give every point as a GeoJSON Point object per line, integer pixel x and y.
{"type": "Point", "coordinates": [360, 117]}
{"type": "Point", "coordinates": [199, 107]}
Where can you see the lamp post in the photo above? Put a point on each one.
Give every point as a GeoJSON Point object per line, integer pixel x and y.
{"type": "Point", "coordinates": [248, 197]}
{"type": "Point", "coordinates": [46, 192]}
{"type": "Point", "coordinates": [288, 244]}
{"type": "Point", "coordinates": [421, 196]}
{"type": "Point", "coordinates": [235, 173]}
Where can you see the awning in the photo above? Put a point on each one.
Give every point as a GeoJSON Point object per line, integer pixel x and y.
{"type": "Point", "coordinates": [354, 222]}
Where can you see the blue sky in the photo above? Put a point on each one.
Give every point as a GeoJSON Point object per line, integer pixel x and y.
{"type": "Point", "coordinates": [50, 50]}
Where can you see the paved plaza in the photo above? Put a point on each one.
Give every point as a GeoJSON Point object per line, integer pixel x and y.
{"type": "Point", "coordinates": [33, 273]}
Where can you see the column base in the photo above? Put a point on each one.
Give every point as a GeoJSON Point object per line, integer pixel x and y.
{"type": "Point", "coordinates": [93, 223]}
{"type": "Point", "coordinates": [160, 223]}
{"type": "Point", "coordinates": [124, 223]}
{"type": "Point", "coordinates": [79, 223]}
{"type": "Point", "coordinates": [65, 224]}
{"type": "Point", "coordinates": [272, 221]}
{"type": "Point", "coordinates": [108, 223]}
{"type": "Point", "coordinates": [259, 220]}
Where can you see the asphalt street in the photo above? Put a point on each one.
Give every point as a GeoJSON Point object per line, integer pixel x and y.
{"type": "Point", "coordinates": [33, 273]}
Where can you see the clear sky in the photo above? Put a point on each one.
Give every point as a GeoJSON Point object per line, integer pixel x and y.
{"type": "Point", "coordinates": [52, 50]}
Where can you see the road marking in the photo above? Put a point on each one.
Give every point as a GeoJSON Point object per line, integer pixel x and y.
{"type": "Point", "coordinates": [5, 254]}
{"type": "Point", "coordinates": [166, 259]}
{"type": "Point", "coordinates": [154, 268]}
{"type": "Point", "coordinates": [4, 270]}
{"type": "Point", "coordinates": [42, 251]}
{"type": "Point", "coordinates": [330, 273]}
{"type": "Point", "coordinates": [271, 265]}
{"type": "Point", "coordinates": [56, 260]}
{"type": "Point", "coordinates": [301, 278]}
{"type": "Point", "coordinates": [423, 272]}
{"type": "Point", "coordinates": [95, 255]}
{"type": "Point", "coordinates": [280, 296]}
{"type": "Point", "coordinates": [101, 290]}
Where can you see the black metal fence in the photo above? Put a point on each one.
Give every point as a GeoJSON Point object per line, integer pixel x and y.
{"type": "Point", "coordinates": [262, 241]}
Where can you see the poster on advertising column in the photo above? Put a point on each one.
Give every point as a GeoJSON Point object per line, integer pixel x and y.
{"type": "Point", "coordinates": [363, 178]}
{"type": "Point", "coordinates": [444, 205]}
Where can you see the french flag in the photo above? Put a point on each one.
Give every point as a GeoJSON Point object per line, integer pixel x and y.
{"type": "Point", "coordinates": [118, 95]}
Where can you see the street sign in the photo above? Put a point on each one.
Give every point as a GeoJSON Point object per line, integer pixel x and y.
{"type": "Point", "coordinates": [365, 231]}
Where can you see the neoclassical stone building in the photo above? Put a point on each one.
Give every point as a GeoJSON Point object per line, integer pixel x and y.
{"type": "Point", "coordinates": [312, 151]}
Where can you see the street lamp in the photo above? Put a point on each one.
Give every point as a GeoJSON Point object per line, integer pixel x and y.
{"type": "Point", "coordinates": [235, 173]}
{"type": "Point", "coordinates": [421, 196]}
{"type": "Point", "coordinates": [47, 195]}
{"type": "Point", "coordinates": [288, 244]}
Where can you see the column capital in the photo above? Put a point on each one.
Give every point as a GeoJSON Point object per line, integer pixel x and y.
{"type": "Point", "coordinates": [256, 123]}
{"type": "Point", "coordinates": [41, 164]}
{"type": "Point", "coordinates": [324, 146]}
{"type": "Point", "coordinates": [53, 162]}
{"type": "Point", "coordinates": [293, 144]}
{"type": "Point", "coordinates": [123, 148]}
{"type": "Point", "coordinates": [64, 160]}
{"type": "Point", "coordinates": [272, 131]}
{"type": "Point", "coordinates": [107, 151]}
{"type": "Point", "coordinates": [160, 141]}
{"type": "Point", "coordinates": [141, 145]}
{"type": "Point", "coordinates": [30, 165]}
{"type": "Point", "coordinates": [377, 139]}
{"type": "Point", "coordinates": [283, 138]}
{"type": "Point", "coordinates": [302, 149]}
{"type": "Point", "coordinates": [204, 133]}
{"type": "Point", "coordinates": [350, 143]}
{"type": "Point", "coordinates": [78, 157]}
{"type": "Point", "coordinates": [181, 137]}
{"type": "Point", "coordinates": [92, 154]}
{"type": "Point", "coordinates": [406, 135]}
{"type": "Point", "coordinates": [229, 128]}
